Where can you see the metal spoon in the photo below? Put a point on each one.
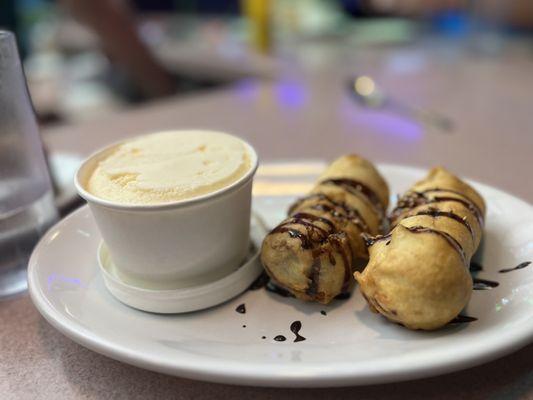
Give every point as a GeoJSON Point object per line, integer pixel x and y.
{"type": "Point", "coordinates": [365, 91]}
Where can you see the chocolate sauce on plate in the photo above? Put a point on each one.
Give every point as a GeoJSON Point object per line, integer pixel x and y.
{"type": "Point", "coordinates": [241, 309]}
{"type": "Point", "coordinates": [484, 284]}
{"type": "Point", "coordinates": [295, 328]}
{"type": "Point", "coordinates": [280, 338]}
{"type": "Point", "coordinates": [519, 266]}
{"type": "Point", "coordinates": [462, 319]}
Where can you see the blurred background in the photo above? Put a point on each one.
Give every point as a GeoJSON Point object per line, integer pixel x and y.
{"type": "Point", "coordinates": [86, 59]}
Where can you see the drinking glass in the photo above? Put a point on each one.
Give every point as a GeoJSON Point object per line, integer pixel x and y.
{"type": "Point", "coordinates": [26, 198]}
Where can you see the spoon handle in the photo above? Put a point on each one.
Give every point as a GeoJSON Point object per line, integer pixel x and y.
{"type": "Point", "coordinates": [427, 117]}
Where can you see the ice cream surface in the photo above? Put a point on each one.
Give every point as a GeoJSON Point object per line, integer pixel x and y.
{"type": "Point", "coordinates": [169, 166]}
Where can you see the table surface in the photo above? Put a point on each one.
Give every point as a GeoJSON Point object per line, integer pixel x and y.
{"type": "Point", "coordinates": [306, 113]}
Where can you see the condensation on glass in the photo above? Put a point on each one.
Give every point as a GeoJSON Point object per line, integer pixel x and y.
{"type": "Point", "coordinates": [26, 198]}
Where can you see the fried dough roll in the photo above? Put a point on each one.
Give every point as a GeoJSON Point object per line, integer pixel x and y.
{"type": "Point", "coordinates": [314, 251]}
{"type": "Point", "coordinates": [418, 274]}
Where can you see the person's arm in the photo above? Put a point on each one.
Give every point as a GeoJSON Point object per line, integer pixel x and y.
{"type": "Point", "coordinates": [114, 23]}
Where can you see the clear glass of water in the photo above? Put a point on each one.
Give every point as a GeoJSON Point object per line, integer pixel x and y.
{"type": "Point", "coordinates": [27, 207]}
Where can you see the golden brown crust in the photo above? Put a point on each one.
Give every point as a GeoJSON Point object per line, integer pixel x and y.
{"type": "Point", "coordinates": [418, 274]}
{"type": "Point", "coordinates": [313, 252]}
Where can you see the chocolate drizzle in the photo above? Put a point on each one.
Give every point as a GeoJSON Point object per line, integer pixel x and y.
{"type": "Point", "coordinates": [362, 191]}
{"type": "Point", "coordinates": [414, 199]}
{"type": "Point", "coordinates": [302, 216]}
{"type": "Point", "coordinates": [280, 338]}
{"type": "Point", "coordinates": [319, 233]}
{"type": "Point", "coordinates": [469, 202]}
{"type": "Point", "coordinates": [337, 245]}
{"type": "Point", "coordinates": [241, 309]}
{"type": "Point", "coordinates": [433, 212]}
{"type": "Point", "coordinates": [314, 234]}
{"type": "Point", "coordinates": [312, 289]}
{"type": "Point", "coordinates": [356, 188]}
{"type": "Point", "coordinates": [519, 266]}
{"type": "Point", "coordinates": [320, 241]}
{"type": "Point", "coordinates": [450, 239]}
{"type": "Point", "coordinates": [339, 211]}
{"type": "Point", "coordinates": [370, 241]}
{"type": "Point", "coordinates": [471, 206]}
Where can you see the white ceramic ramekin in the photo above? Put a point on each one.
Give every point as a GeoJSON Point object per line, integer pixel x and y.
{"type": "Point", "coordinates": [179, 244]}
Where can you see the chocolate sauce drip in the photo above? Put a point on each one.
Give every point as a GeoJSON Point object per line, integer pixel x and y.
{"type": "Point", "coordinates": [263, 337]}
{"type": "Point", "coordinates": [351, 215]}
{"type": "Point", "coordinates": [320, 233]}
{"type": "Point", "coordinates": [406, 202]}
{"type": "Point", "coordinates": [450, 239]}
{"type": "Point", "coordinates": [323, 312]}
{"type": "Point", "coordinates": [371, 240]}
{"type": "Point", "coordinates": [483, 284]}
{"type": "Point", "coordinates": [316, 236]}
{"type": "Point", "coordinates": [295, 328]}
{"type": "Point", "coordinates": [462, 319]}
{"type": "Point", "coordinates": [519, 266]}
{"type": "Point", "coordinates": [335, 242]}
{"type": "Point", "coordinates": [472, 204]}
{"type": "Point", "coordinates": [294, 233]}
{"type": "Point", "coordinates": [433, 212]}
{"type": "Point", "coordinates": [311, 217]}
{"type": "Point", "coordinates": [475, 267]}
{"type": "Point", "coordinates": [273, 288]}
{"type": "Point", "coordinates": [340, 211]}
{"type": "Point", "coordinates": [310, 241]}
{"type": "Point", "coordinates": [280, 338]}
{"type": "Point", "coordinates": [241, 309]}
{"type": "Point", "coordinates": [299, 201]}
{"type": "Point", "coordinates": [358, 188]}
{"type": "Point", "coordinates": [414, 199]}
{"type": "Point", "coordinates": [313, 235]}
{"type": "Point", "coordinates": [312, 289]}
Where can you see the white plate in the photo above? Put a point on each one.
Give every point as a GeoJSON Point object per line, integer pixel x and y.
{"type": "Point", "coordinates": [348, 346]}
